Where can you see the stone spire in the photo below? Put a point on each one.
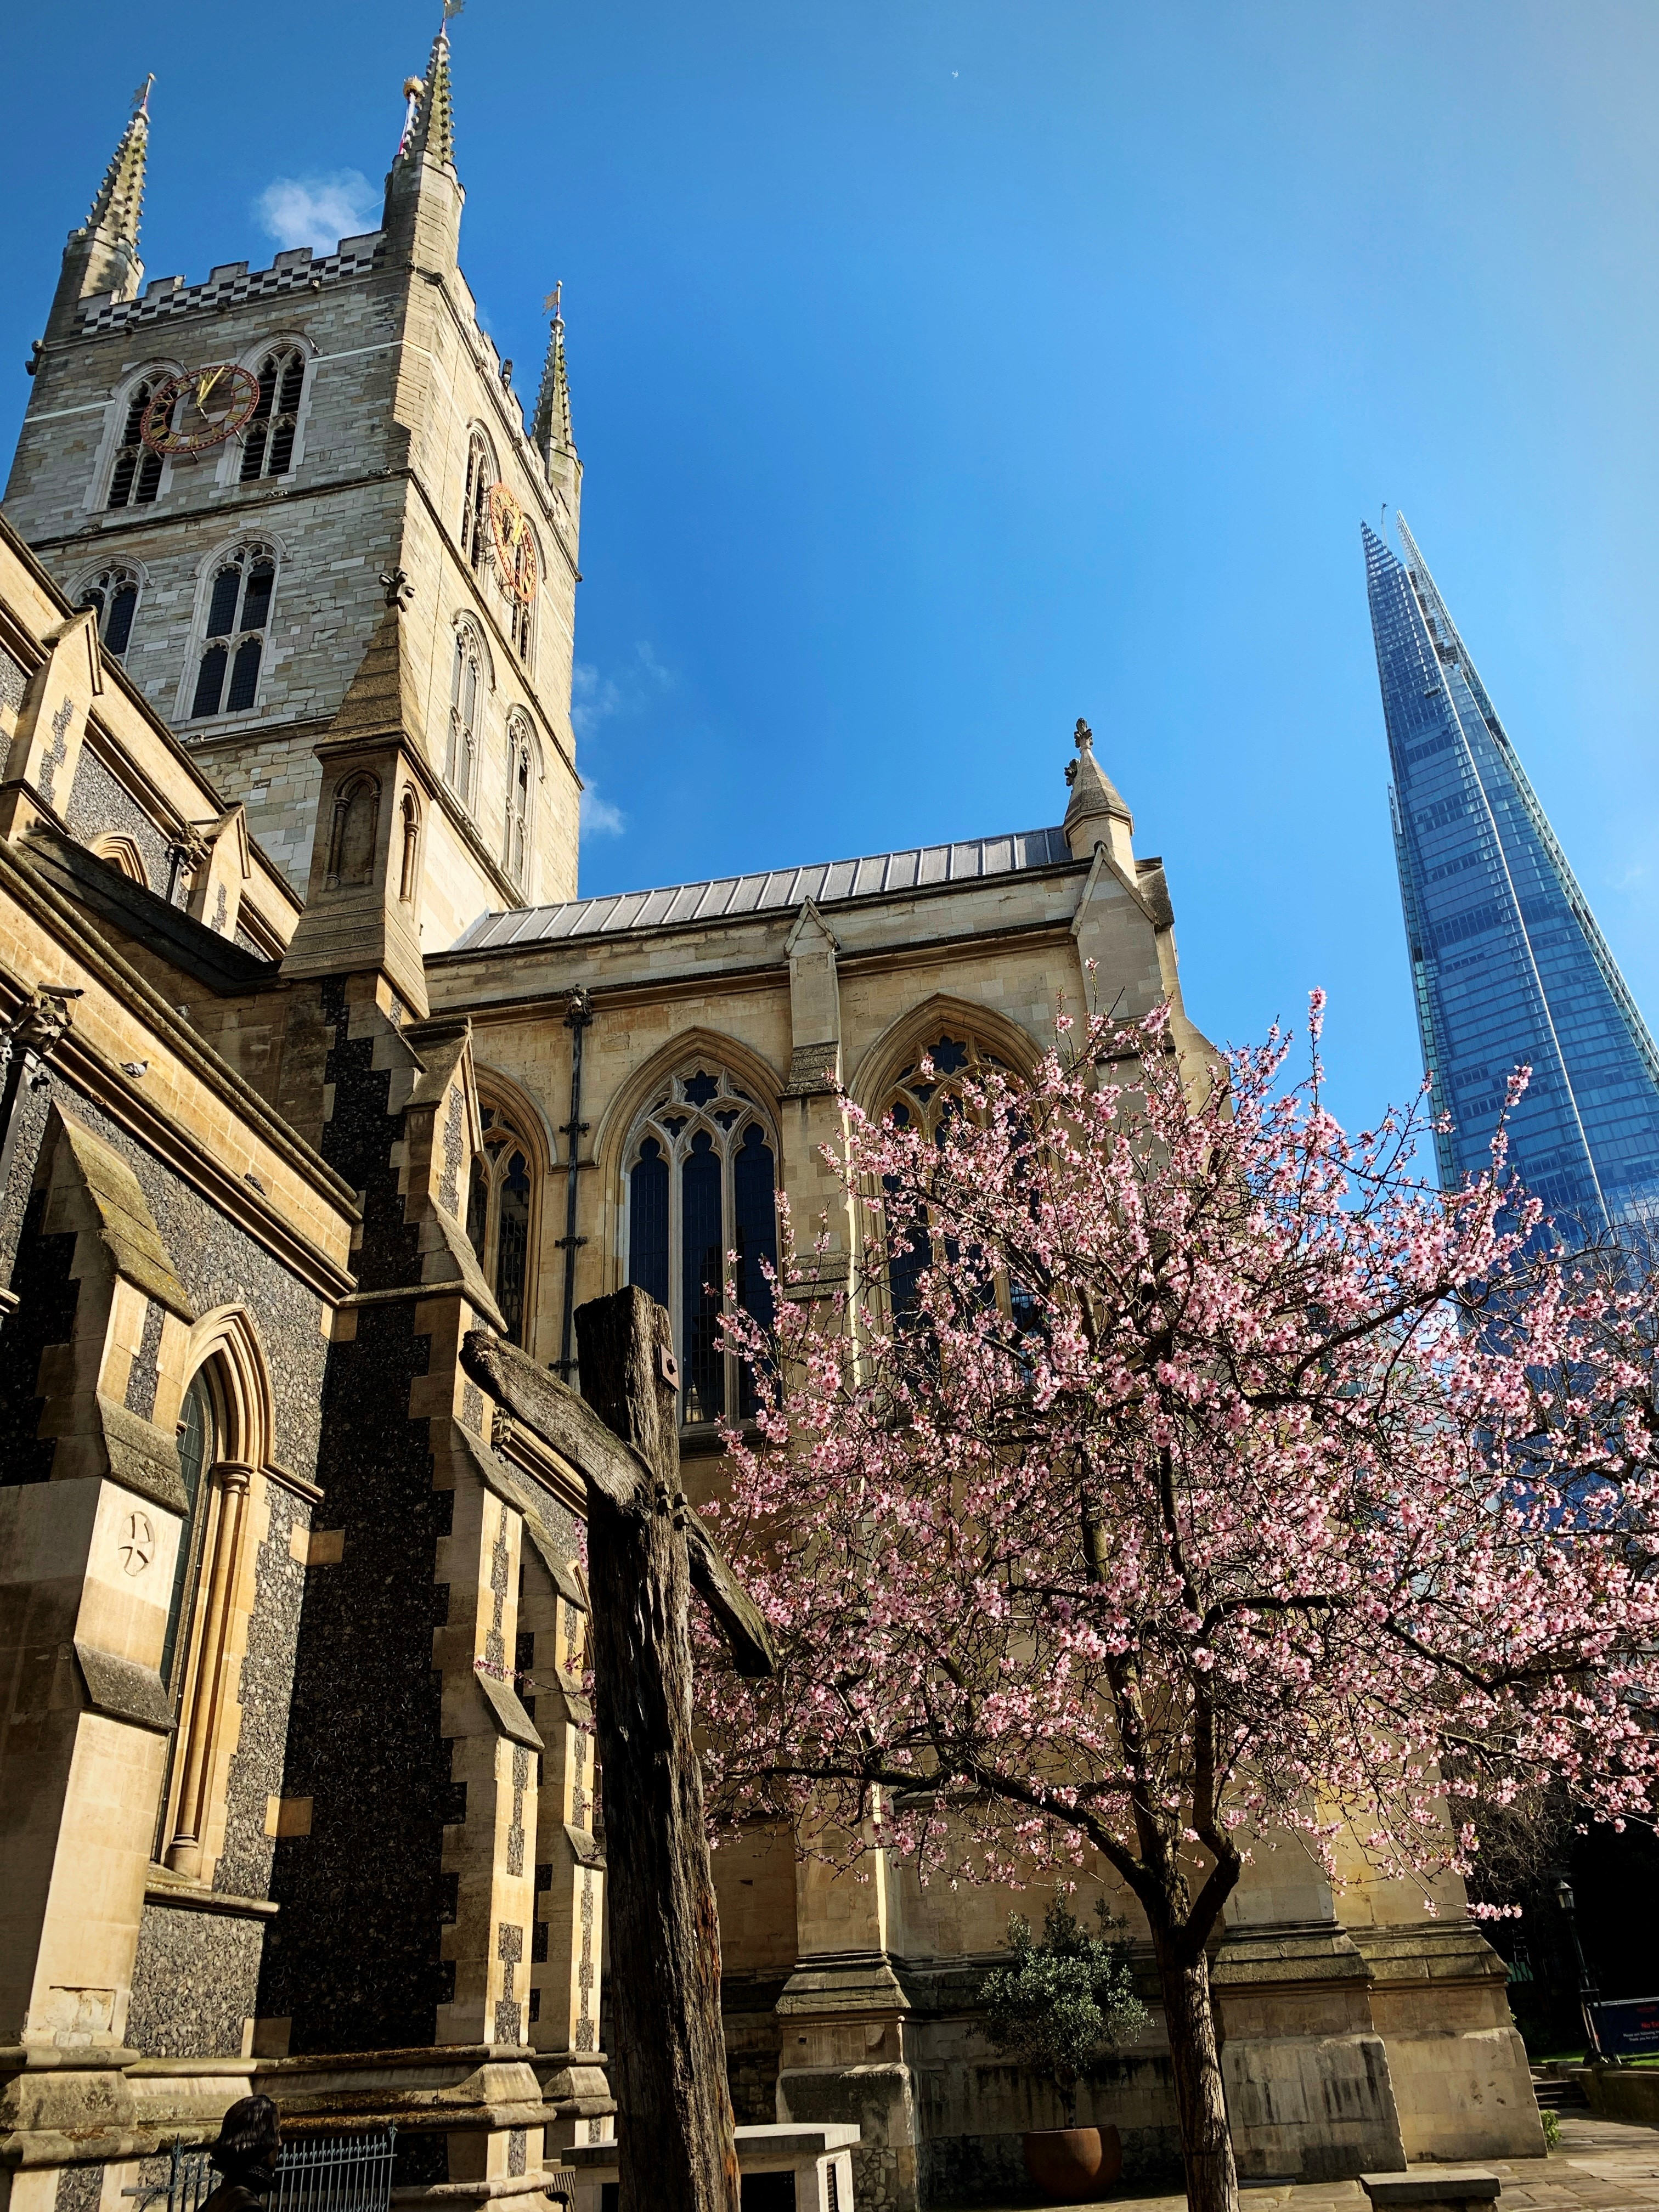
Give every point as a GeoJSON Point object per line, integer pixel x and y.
{"type": "Point", "coordinates": [423, 194]}
{"type": "Point", "coordinates": [102, 255]}
{"type": "Point", "coordinates": [120, 200]}
{"type": "Point", "coordinates": [1097, 815]}
{"type": "Point", "coordinates": [429, 129]}
{"type": "Point", "coordinates": [550, 431]}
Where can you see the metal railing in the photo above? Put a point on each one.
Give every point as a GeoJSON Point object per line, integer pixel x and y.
{"type": "Point", "coordinates": [336, 2173]}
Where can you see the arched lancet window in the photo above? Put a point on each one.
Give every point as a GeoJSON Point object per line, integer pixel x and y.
{"type": "Point", "coordinates": [409, 871]}
{"type": "Point", "coordinates": [114, 595]}
{"type": "Point", "coordinates": [474, 518]}
{"type": "Point", "coordinates": [924, 1097]}
{"type": "Point", "coordinates": [268, 441]}
{"type": "Point", "coordinates": [520, 791]}
{"type": "Point", "coordinates": [702, 1179]}
{"type": "Point", "coordinates": [224, 1431]}
{"type": "Point", "coordinates": [466, 693]}
{"type": "Point", "coordinates": [138, 473]}
{"type": "Point", "coordinates": [499, 1206]}
{"type": "Point", "coordinates": [201, 1425]}
{"type": "Point", "coordinates": [521, 603]}
{"type": "Point", "coordinates": [234, 632]}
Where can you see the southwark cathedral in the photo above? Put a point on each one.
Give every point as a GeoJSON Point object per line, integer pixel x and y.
{"type": "Point", "coordinates": [316, 1058]}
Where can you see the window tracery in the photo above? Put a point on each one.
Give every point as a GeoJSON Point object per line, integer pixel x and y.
{"type": "Point", "coordinates": [701, 1181]}
{"type": "Point", "coordinates": [268, 441]}
{"type": "Point", "coordinates": [521, 787]}
{"type": "Point", "coordinates": [114, 596]}
{"type": "Point", "coordinates": [137, 476]}
{"type": "Point", "coordinates": [234, 632]}
{"type": "Point", "coordinates": [925, 1096]}
{"type": "Point", "coordinates": [521, 590]}
{"type": "Point", "coordinates": [465, 691]}
{"type": "Point", "coordinates": [501, 1200]}
{"type": "Point", "coordinates": [475, 506]}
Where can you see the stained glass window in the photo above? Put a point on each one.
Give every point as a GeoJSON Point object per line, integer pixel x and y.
{"type": "Point", "coordinates": [501, 1199]}
{"type": "Point", "coordinates": [480, 475]}
{"type": "Point", "coordinates": [268, 441]}
{"type": "Point", "coordinates": [234, 631]}
{"type": "Point", "coordinates": [520, 750]}
{"type": "Point", "coordinates": [465, 685]}
{"type": "Point", "coordinates": [137, 474]}
{"type": "Point", "coordinates": [113, 597]}
{"type": "Point", "coordinates": [702, 1183]}
{"type": "Point", "coordinates": [925, 1097]}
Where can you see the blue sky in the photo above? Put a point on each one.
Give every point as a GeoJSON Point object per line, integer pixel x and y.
{"type": "Point", "coordinates": [944, 372]}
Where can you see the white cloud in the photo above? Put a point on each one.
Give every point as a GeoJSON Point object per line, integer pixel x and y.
{"type": "Point", "coordinates": [318, 211]}
{"type": "Point", "coordinates": [593, 699]}
{"type": "Point", "coordinates": [599, 818]}
{"type": "Point", "coordinates": [596, 700]}
{"type": "Point", "coordinates": [647, 660]}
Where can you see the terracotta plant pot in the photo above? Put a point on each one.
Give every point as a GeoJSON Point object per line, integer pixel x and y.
{"type": "Point", "coordinates": [1072, 2165]}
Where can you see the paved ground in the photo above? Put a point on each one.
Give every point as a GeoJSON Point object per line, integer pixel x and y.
{"type": "Point", "coordinates": [1602, 2166]}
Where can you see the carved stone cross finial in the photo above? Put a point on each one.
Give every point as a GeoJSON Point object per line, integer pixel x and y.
{"type": "Point", "coordinates": [1083, 737]}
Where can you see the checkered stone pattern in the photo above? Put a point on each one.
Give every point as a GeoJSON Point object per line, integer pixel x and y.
{"type": "Point", "coordinates": [230, 285]}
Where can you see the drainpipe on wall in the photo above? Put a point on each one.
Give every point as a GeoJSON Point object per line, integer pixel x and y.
{"type": "Point", "coordinates": [577, 1015]}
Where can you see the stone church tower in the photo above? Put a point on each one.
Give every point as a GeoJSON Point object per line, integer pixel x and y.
{"type": "Point", "coordinates": [242, 580]}
{"type": "Point", "coordinates": [312, 1059]}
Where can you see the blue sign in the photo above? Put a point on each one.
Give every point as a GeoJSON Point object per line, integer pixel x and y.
{"type": "Point", "coordinates": [1628, 2028]}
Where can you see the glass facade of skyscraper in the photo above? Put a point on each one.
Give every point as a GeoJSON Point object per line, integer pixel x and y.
{"type": "Point", "coordinates": [1507, 963]}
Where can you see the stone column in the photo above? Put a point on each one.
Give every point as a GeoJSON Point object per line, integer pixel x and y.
{"type": "Point", "coordinates": [811, 1112]}
{"type": "Point", "coordinates": [845, 2028]}
{"type": "Point", "coordinates": [209, 1690]}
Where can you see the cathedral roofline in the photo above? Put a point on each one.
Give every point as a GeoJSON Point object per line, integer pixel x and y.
{"type": "Point", "coordinates": [826, 883]}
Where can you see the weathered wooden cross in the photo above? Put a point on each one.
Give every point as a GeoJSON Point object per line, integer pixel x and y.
{"type": "Point", "coordinates": [646, 1552]}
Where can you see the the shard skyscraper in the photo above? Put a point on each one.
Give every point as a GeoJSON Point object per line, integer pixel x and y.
{"type": "Point", "coordinates": [1507, 962]}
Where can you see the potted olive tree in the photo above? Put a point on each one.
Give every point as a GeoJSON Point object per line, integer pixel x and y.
{"type": "Point", "coordinates": [1052, 2008]}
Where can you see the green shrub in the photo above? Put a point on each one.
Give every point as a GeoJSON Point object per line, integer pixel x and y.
{"type": "Point", "coordinates": [1057, 2002]}
{"type": "Point", "coordinates": [1552, 2130]}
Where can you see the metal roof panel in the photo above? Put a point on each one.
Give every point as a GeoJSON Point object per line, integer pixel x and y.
{"type": "Point", "coordinates": [826, 881]}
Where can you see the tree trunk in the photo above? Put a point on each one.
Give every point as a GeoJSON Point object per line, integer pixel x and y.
{"type": "Point", "coordinates": [1206, 2147]}
{"type": "Point", "coordinates": [676, 2151]}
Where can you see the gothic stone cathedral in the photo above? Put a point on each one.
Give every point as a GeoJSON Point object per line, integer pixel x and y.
{"type": "Point", "coordinates": [314, 1057]}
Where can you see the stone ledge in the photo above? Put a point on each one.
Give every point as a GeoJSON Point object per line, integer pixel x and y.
{"type": "Point", "coordinates": [1433, 2188]}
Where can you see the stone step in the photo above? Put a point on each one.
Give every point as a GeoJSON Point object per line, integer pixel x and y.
{"type": "Point", "coordinates": [1556, 2095]}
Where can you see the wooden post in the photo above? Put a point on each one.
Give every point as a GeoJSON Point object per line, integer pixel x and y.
{"type": "Point", "coordinates": [646, 1551]}
{"type": "Point", "coordinates": [676, 2150]}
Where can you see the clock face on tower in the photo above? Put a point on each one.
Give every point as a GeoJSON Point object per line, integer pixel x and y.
{"type": "Point", "coordinates": [200, 408]}
{"type": "Point", "coordinates": [514, 547]}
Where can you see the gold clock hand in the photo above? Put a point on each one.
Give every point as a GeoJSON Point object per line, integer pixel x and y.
{"type": "Point", "coordinates": [205, 385]}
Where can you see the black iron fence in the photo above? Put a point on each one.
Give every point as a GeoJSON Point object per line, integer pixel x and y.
{"type": "Point", "coordinates": [336, 2174]}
